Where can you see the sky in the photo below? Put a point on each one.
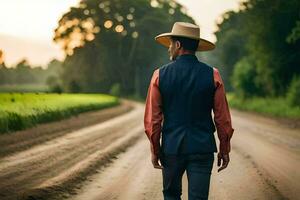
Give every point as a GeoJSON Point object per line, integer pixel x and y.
{"type": "Point", "coordinates": [27, 26]}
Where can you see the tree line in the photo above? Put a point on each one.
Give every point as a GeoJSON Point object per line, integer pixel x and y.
{"type": "Point", "coordinates": [258, 49]}
{"type": "Point", "coordinates": [110, 48]}
{"type": "Point", "coordinates": [23, 73]}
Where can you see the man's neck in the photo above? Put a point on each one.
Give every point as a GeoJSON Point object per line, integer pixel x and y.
{"type": "Point", "coordinates": [183, 52]}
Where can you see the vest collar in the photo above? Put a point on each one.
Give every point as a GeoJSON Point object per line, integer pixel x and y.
{"type": "Point", "coordinates": [187, 56]}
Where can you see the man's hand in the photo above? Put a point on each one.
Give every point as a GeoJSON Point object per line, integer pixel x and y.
{"type": "Point", "coordinates": [225, 162]}
{"type": "Point", "coordinates": [154, 159]}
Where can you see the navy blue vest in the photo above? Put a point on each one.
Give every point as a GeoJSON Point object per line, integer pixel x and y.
{"type": "Point", "coordinates": [187, 89]}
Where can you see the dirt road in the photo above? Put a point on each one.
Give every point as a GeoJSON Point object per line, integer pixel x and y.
{"type": "Point", "coordinates": [264, 162]}
{"type": "Point", "coordinates": [78, 164]}
{"type": "Point", "coordinates": [57, 164]}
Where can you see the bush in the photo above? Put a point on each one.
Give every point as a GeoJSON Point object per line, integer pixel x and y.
{"type": "Point", "coordinates": [54, 84]}
{"type": "Point", "coordinates": [243, 79]}
{"type": "Point", "coordinates": [293, 94]}
{"type": "Point", "coordinates": [115, 90]}
{"type": "Point", "coordinates": [74, 87]}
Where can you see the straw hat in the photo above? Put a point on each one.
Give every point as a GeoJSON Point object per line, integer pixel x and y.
{"type": "Point", "coordinates": [187, 30]}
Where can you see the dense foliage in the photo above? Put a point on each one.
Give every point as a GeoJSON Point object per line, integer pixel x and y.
{"type": "Point", "coordinates": [293, 94]}
{"type": "Point", "coordinates": [258, 48]}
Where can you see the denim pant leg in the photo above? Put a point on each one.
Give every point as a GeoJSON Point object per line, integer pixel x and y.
{"type": "Point", "coordinates": [198, 170]}
{"type": "Point", "coordinates": [174, 167]}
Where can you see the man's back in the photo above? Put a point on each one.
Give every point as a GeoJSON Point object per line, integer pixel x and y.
{"type": "Point", "coordinates": [187, 89]}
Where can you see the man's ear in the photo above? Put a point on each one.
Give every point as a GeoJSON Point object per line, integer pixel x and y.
{"type": "Point", "coordinates": [177, 45]}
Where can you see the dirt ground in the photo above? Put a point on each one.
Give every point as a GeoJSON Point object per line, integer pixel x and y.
{"type": "Point", "coordinates": [52, 158]}
{"type": "Point", "coordinates": [264, 165]}
{"type": "Point", "coordinates": [21, 140]}
{"type": "Point", "coordinates": [75, 159]}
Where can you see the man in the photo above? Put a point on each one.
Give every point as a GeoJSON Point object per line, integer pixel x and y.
{"type": "Point", "coordinates": [182, 95]}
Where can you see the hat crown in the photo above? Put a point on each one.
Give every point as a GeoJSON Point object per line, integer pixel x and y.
{"type": "Point", "coordinates": [186, 29]}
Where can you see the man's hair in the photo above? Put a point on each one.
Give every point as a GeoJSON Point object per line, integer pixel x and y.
{"type": "Point", "coordinates": [186, 43]}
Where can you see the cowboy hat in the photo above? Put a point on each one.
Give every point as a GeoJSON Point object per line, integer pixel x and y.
{"type": "Point", "coordinates": [187, 30]}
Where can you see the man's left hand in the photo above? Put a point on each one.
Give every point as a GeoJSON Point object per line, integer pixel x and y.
{"type": "Point", "coordinates": [155, 163]}
{"type": "Point", "coordinates": [225, 158]}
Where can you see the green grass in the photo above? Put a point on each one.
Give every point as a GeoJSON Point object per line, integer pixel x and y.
{"type": "Point", "coordinates": [274, 107]}
{"type": "Point", "coordinates": [24, 88]}
{"type": "Point", "coordinates": [23, 110]}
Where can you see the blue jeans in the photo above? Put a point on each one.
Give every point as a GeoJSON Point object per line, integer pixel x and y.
{"type": "Point", "coordinates": [198, 169]}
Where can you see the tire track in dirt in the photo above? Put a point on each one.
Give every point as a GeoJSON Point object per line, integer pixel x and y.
{"type": "Point", "coordinates": [25, 139]}
{"type": "Point", "coordinates": [273, 149]}
{"type": "Point", "coordinates": [132, 177]}
{"type": "Point", "coordinates": [129, 177]}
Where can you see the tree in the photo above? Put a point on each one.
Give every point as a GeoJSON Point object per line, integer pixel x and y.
{"type": "Point", "coordinates": [110, 42]}
{"type": "Point", "coordinates": [293, 94]}
{"type": "Point", "coordinates": [294, 36]}
{"type": "Point", "coordinates": [244, 79]}
{"type": "Point", "coordinates": [268, 32]}
{"type": "Point", "coordinates": [54, 84]}
{"type": "Point", "coordinates": [23, 73]}
{"type": "Point", "coordinates": [230, 45]}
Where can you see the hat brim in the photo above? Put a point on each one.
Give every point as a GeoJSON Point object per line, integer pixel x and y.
{"type": "Point", "coordinates": [204, 45]}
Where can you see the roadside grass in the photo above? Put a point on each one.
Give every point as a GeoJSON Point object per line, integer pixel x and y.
{"type": "Point", "coordinates": [24, 88]}
{"type": "Point", "coordinates": [23, 110]}
{"type": "Point", "coordinates": [273, 107]}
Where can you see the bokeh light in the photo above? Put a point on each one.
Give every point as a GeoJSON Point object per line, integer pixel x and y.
{"type": "Point", "coordinates": [120, 18]}
{"type": "Point", "coordinates": [132, 24]}
{"type": "Point", "coordinates": [108, 24]}
{"type": "Point", "coordinates": [106, 10]}
{"type": "Point", "coordinates": [173, 4]}
{"type": "Point", "coordinates": [119, 28]}
{"type": "Point", "coordinates": [171, 11]}
{"type": "Point", "coordinates": [154, 3]}
{"type": "Point", "coordinates": [135, 34]}
{"type": "Point", "coordinates": [124, 33]}
{"type": "Point", "coordinates": [129, 17]}
{"type": "Point", "coordinates": [86, 12]}
{"type": "Point", "coordinates": [101, 5]}
{"type": "Point", "coordinates": [88, 24]}
{"type": "Point", "coordinates": [131, 10]}
{"type": "Point", "coordinates": [97, 29]}
{"type": "Point", "coordinates": [90, 37]}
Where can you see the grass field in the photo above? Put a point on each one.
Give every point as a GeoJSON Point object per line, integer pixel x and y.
{"type": "Point", "coordinates": [24, 88]}
{"type": "Point", "coordinates": [22, 110]}
{"type": "Point", "coordinates": [275, 107]}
